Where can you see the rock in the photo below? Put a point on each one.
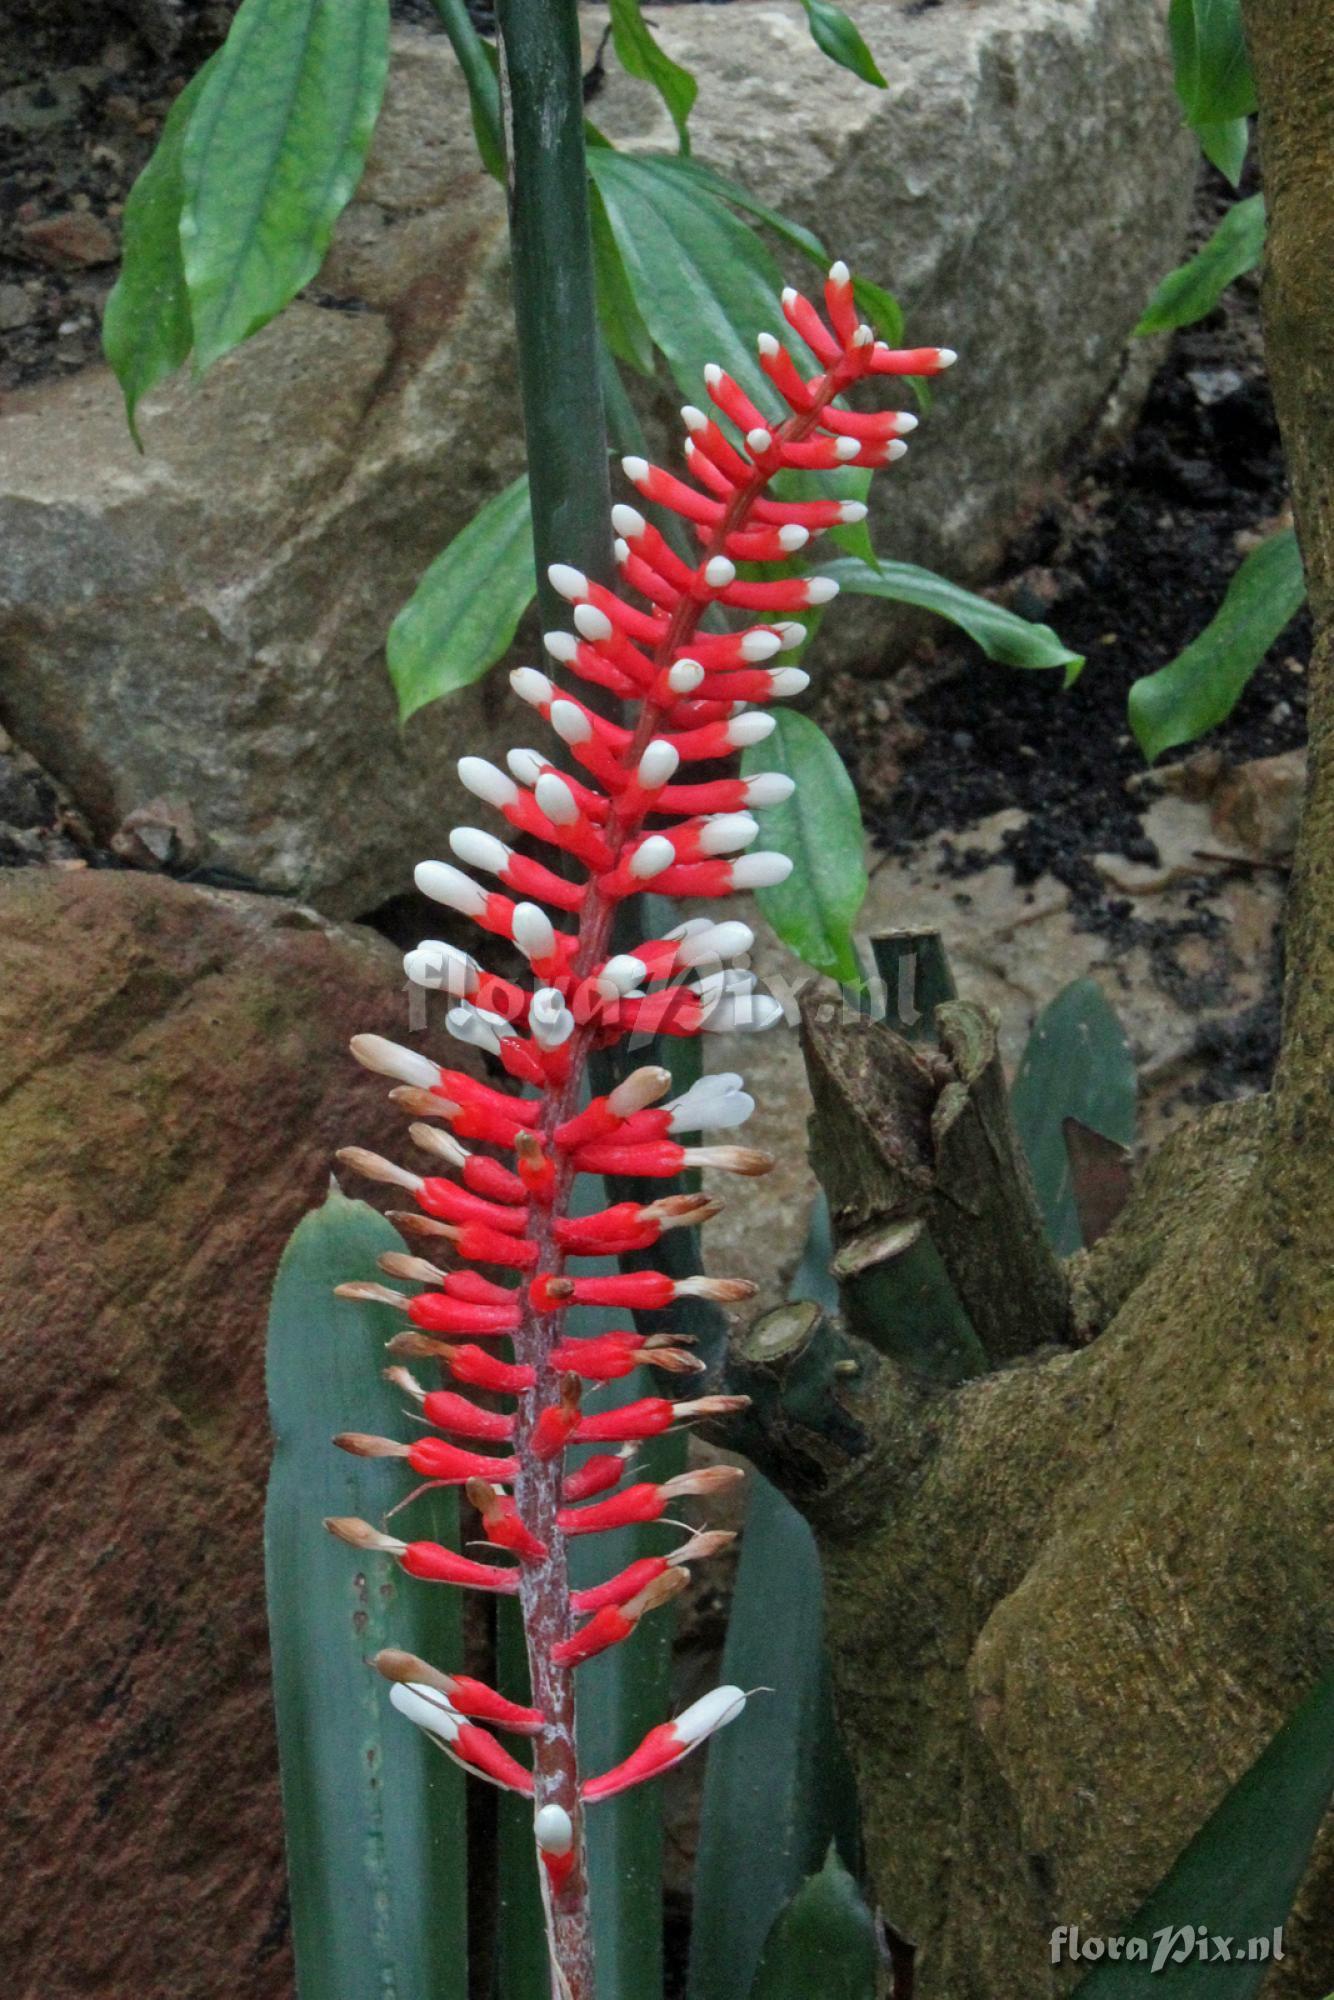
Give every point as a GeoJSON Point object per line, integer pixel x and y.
{"type": "Point", "coordinates": [1258, 806]}
{"type": "Point", "coordinates": [161, 834]}
{"type": "Point", "coordinates": [210, 619]}
{"type": "Point", "coordinates": [176, 1081]}
{"type": "Point", "coordinates": [1186, 971]}
{"type": "Point", "coordinates": [16, 308]}
{"type": "Point", "coordinates": [74, 239]}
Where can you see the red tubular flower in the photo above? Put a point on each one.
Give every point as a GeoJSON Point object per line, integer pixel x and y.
{"type": "Point", "coordinates": [620, 812]}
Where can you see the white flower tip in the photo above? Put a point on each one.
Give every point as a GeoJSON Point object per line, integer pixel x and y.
{"type": "Point", "coordinates": [789, 682]}
{"type": "Point", "coordinates": [531, 686]}
{"type": "Point", "coordinates": [571, 583]}
{"type": "Point", "coordinates": [388, 1058]}
{"type": "Point", "coordinates": [838, 273]}
{"type": "Point", "coordinates": [906, 421]}
{"type": "Point", "coordinates": [852, 510]}
{"type": "Point", "coordinates": [719, 572]}
{"type": "Point", "coordinates": [759, 441]}
{"type": "Point", "coordinates": [441, 967]}
{"type": "Point", "coordinates": [759, 645]}
{"type": "Point", "coordinates": [570, 723]}
{"type": "Point", "coordinates": [448, 885]}
{"type": "Point", "coordinates": [477, 849]}
{"type": "Point", "coordinates": [694, 419]}
{"type": "Point", "coordinates": [475, 1028]}
{"type": "Point", "coordinates": [591, 623]}
{"type": "Point", "coordinates": [550, 1019]}
{"type": "Point", "coordinates": [743, 730]}
{"type": "Point", "coordinates": [767, 345]}
{"type": "Point", "coordinates": [485, 782]}
{"type": "Point", "coordinates": [713, 374]}
{"type": "Point", "coordinates": [897, 449]}
{"type": "Point", "coordinates": [945, 357]}
{"type": "Point", "coordinates": [791, 632]}
{"type": "Point", "coordinates": [627, 520]}
{"type": "Point", "coordinates": [846, 448]}
{"type": "Point", "coordinates": [770, 788]}
{"type": "Point", "coordinates": [555, 799]}
{"type": "Point", "coordinates": [863, 337]}
{"type": "Point", "coordinates": [760, 871]}
{"type": "Point", "coordinates": [635, 470]}
{"type": "Point", "coordinates": [625, 972]}
{"type": "Point", "coordinates": [725, 833]}
{"type": "Point", "coordinates": [526, 766]}
{"type": "Point", "coordinates": [711, 1712]}
{"type": "Point", "coordinates": [659, 762]}
{"type": "Point", "coordinates": [620, 548]}
{"type": "Point", "coordinates": [793, 537]}
{"type": "Point", "coordinates": [685, 676]}
{"type": "Point", "coordinates": [554, 1830]}
{"type": "Point", "coordinates": [651, 857]}
{"type": "Point", "coordinates": [562, 646]}
{"type": "Point", "coordinates": [533, 931]}
{"type": "Point", "coordinates": [428, 1709]}
{"type": "Point", "coordinates": [821, 589]}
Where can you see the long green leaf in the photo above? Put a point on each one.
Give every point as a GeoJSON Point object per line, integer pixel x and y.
{"type": "Point", "coordinates": [466, 609]}
{"type": "Point", "coordinates": [1196, 286]}
{"type": "Point", "coordinates": [1237, 1879]}
{"type": "Point", "coordinates": [273, 154]}
{"type": "Point", "coordinates": [777, 1792]}
{"type": "Point", "coordinates": [838, 38]}
{"type": "Point", "coordinates": [1209, 60]}
{"type": "Point", "coordinates": [641, 55]}
{"type": "Point", "coordinates": [1077, 1064]}
{"type": "Point", "coordinates": [1001, 634]}
{"type": "Point", "coordinates": [820, 830]}
{"type": "Point", "coordinates": [823, 1944]}
{"type": "Point", "coordinates": [374, 1814]}
{"type": "Point", "coordinates": [1226, 143]}
{"type": "Point", "coordinates": [704, 283]}
{"type": "Point", "coordinates": [146, 329]}
{"type": "Point", "coordinates": [621, 321]}
{"type": "Point", "coordinates": [708, 181]}
{"type": "Point", "coordinates": [477, 61]}
{"type": "Point", "coordinates": [1199, 688]}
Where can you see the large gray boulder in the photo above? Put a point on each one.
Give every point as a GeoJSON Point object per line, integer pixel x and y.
{"type": "Point", "coordinates": [208, 621]}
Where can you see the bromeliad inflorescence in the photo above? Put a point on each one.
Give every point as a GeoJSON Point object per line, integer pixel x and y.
{"type": "Point", "coordinates": [632, 818]}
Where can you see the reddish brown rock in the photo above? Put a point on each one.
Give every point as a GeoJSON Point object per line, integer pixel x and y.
{"type": "Point", "coordinates": [174, 1075]}
{"type": "Point", "coordinates": [74, 240]}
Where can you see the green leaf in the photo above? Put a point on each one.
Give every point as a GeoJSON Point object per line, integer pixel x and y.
{"type": "Point", "coordinates": [820, 829]}
{"type": "Point", "coordinates": [1226, 143]}
{"type": "Point", "coordinates": [1002, 635]}
{"type": "Point", "coordinates": [1077, 1064]}
{"type": "Point", "coordinates": [836, 37]}
{"type": "Point", "coordinates": [1195, 287]}
{"type": "Point", "coordinates": [824, 1943]}
{"type": "Point", "coordinates": [272, 156]}
{"type": "Point", "coordinates": [477, 60]}
{"type": "Point", "coordinates": [1199, 688]}
{"type": "Point", "coordinates": [777, 1791]}
{"type": "Point", "coordinates": [708, 180]}
{"type": "Point", "coordinates": [466, 609]}
{"type": "Point", "coordinates": [146, 330]}
{"type": "Point", "coordinates": [640, 54]}
{"type": "Point", "coordinates": [620, 318]}
{"type": "Point", "coordinates": [703, 282]}
{"type": "Point", "coordinates": [881, 308]}
{"type": "Point", "coordinates": [374, 1813]}
{"type": "Point", "coordinates": [1210, 62]}
{"type": "Point", "coordinates": [1238, 1877]}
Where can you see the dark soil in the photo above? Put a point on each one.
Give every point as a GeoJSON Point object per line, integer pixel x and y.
{"type": "Point", "coordinates": [1128, 561]}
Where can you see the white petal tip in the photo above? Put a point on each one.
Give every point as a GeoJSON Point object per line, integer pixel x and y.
{"type": "Point", "coordinates": [821, 589]}
{"type": "Point", "coordinates": [838, 273]}
{"type": "Point", "coordinates": [627, 520]}
{"type": "Point", "coordinates": [571, 583]}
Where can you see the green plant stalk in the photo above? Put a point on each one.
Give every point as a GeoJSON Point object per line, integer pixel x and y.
{"type": "Point", "coordinates": [478, 75]}
{"type": "Point", "coordinates": [554, 297]}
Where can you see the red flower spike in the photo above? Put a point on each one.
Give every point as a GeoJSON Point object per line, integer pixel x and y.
{"type": "Point", "coordinates": [620, 800]}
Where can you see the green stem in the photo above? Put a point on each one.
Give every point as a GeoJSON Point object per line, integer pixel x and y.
{"type": "Point", "coordinates": [480, 78]}
{"type": "Point", "coordinates": [554, 295]}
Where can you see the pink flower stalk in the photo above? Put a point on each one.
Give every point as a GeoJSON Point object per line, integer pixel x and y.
{"type": "Point", "coordinates": [631, 817]}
